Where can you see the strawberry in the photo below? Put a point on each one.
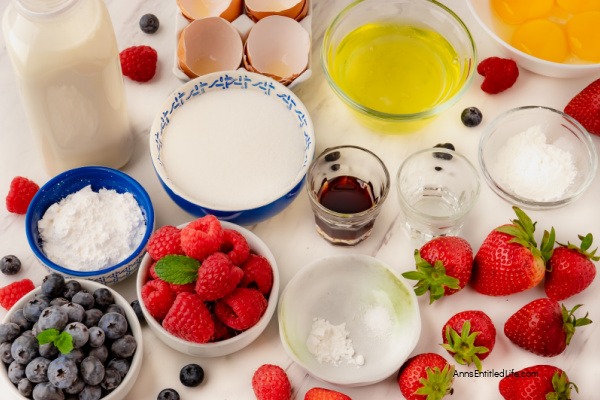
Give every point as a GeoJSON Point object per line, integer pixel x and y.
{"type": "Point", "coordinates": [189, 319]}
{"type": "Point", "coordinates": [443, 267]}
{"type": "Point", "coordinates": [585, 107]}
{"type": "Point", "coordinates": [570, 269]}
{"type": "Point", "coordinates": [164, 241]}
{"type": "Point", "coordinates": [426, 376]}
{"type": "Point", "coordinates": [538, 382]}
{"type": "Point", "coordinates": [509, 260]}
{"type": "Point", "coordinates": [318, 393]}
{"type": "Point", "coordinates": [12, 292]}
{"type": "Point", "coordinates": [543, 327]}
{"type": "Point", "coordinates": [499, 73]}
{"type": "Point", "coordinates": [20, 194]}
{"type": "Point", "coordinates": [270, 382]}
{"type": "Point", "coordinates": [139, 63]}
{"type": "Point", "coordinates": [469, 336]}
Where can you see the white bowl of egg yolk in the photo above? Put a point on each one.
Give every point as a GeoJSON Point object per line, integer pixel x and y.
{"type": "Point", "coordinates": [556, 38]}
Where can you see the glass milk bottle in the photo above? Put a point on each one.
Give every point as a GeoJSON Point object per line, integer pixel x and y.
{"type": "Point", "coordinates": [66, 62]}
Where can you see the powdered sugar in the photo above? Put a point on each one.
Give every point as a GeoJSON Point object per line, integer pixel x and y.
{"type": "Point", "coordinates": [332, 344]}
{"type": "Point", "coordinates": [89, 231]}
{"type": "Point", "coordinates": [534, 169]}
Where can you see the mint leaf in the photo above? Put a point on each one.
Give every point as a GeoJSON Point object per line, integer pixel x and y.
{"type": "Point", "coordinates": [177, 269]}
{"type": "Point", "coordinates": [64, 343]}
{"type": "Point", "coordinates": [47, 336]}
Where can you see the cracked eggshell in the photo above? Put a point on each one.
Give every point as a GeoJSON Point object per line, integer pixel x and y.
{"type": "Point", "coordinates": [259, 9]}
{"type": "Point", "coordinates": [277, 47]}
{"type": "Point", "coordinates": [199, 9]}
{"type": "Point", "coordinates": [209, 45]}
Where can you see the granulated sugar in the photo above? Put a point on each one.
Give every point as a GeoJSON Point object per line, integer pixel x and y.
{"type": "Point", "coordinates": [88, 231]}
{"type": "Point", "coordinates": [332, 344]}
{"type": "Point", "coordinates": [534, 169]}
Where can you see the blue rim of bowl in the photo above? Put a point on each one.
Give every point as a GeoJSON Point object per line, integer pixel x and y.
{"type": "Point", "coordinates": [585, 138]}
{"type": "Point", "coordinates": [431, 112]}
{"type": "Point", "coordinates": [149, 216]}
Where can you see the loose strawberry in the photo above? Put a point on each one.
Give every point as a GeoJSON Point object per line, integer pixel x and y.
{"type": "Point", "coordinates": [139, 63]}
{"type": "Point", "coordinates": [12, 292]}
{"type": "Point", "coordinates": [500, 74]}
{"type": "Point", "coordinates": [570, 269]}
{"type": "Point", "coordinates": [469, 336]}
{"type": "Point", "coordinates": [538, 382]}
{"type": "Point", "coordinates": [543, 327]}
{"type": "Point", "coordinates": [20, 194]}
{"type": "Point", "coordinates": [585, 107]}
{"type": "Point", "coordinates": [270, 382]}
{"type": "Point", "coordinates": [443, 267]}
{"type": "Point", "coordinates": [427, 376]}
{"type": "Point", "coordinates": [318, 393]}
{"type": "Point", "coordinates": [509, 260]}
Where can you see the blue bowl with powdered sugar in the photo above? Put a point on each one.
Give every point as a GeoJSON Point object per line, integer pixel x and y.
{"type": "Point", "coordinates": [90, 223]}
{"type": "Point", "coordinates": [537, 157]}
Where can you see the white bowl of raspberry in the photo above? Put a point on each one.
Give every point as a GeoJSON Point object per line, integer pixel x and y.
{"type": "Point", "coordinates": [207, 288]}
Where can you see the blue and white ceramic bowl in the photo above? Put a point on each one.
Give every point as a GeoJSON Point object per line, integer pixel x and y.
{"type": "Point", "coordinates": [72, 181]}
{"type": "Point", "coordinates": [234, 131]}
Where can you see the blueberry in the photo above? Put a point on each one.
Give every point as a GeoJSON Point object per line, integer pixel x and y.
{"type": "Point", "coordinates": [92, 370]}
{"type": "Point", "coordinates": [25, 387]}
{"type": "Point", "coordinates": [75, 311]}
{"type": "Point", "coordinates": [124, 347]}
{"type": "Point", "coordinates": [103, 297]}
{"type": "Point", "coordinates": [92, 317]}
{"type": "Point", "coordinates": [71, 287]}
{"type": "Point", "coordinates": [90, 393]}
{"type": "Point", "coordinates": [168, 394]}
{"type": "Point", "coordinates": [76, 355]}
{"type": "Point", "coordinates": [76, 387]}
{"type": "Point", "coordinates": [101, 353]}
{"type": "Point", "coordinates": [9, 331]}
{"type": "Point", "coordinates": [112, 379]}
{"type": "Point", "coordinates": [85, 298]}
{"type": "Point", "coordinates": [53, 285]}
{"type": "Point", "coordinates": [97, 336]}
{"type": "Point", "coordinates": [471, 116]}
{"type": "Point", "coordinates": [149, 23]}
{"type": "Point", "coordinates": [48, 350]}
{"type": "Point", "coordinates": [137, 309]}
{"type": "Point", "coordinates": [113, 324]}
{"type": "Point", "coordinates": [33, 308]}
{"type": "Point", "coordinates": [24, 349]}
{"type": "Point", "coordinates": [53, 317]}
{"type": "Point", "coordinates": [47, 391]}
{"type": "Point", "coordinates": [62, 372]}
{"type": "Point", "coordinates": [79, 332]}
{"type": "Point", "coordinates": [115, 308]}
{"type": "Point", "coordinates": [37, 370]}
{"type": "Point", "coordinates": [444, 156]}
{"type": "Point", "coordinates": [5, 355]}
{"type": "Point", "coordinates": [16, 372]}
{"type": "Point", "coordinates": [10, 265]}
{"type": "Point", "coordinates": [120, 364]}
{"type": "Point", "coordinates": [191, 375]}
{"type": "Point", "coordinates": [19, 319]}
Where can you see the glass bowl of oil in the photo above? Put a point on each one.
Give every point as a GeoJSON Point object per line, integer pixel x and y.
{"type": "Point", "coordinates": [398, 63]}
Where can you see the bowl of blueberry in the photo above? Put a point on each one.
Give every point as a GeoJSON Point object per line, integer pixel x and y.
{"type": "Point", "coordinates": [70, 338]}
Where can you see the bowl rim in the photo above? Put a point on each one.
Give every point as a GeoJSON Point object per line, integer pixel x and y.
{"type": "Point", "coordinates": [582, 134]}
{"type": "Point", "coordinates": [220, 345]}
{"type": "Point", "coordinates": [430, 112]}
{"type": "Point", "coordinates": [132, 320]}
{"type": "Point", "coordinates": [79, 171]}
{"type": "Point", "coordinates": [588, 67]}
{"type": "Point", "coordinates": [365, 259]}
{"type": "Point", "coordinates": [155, 143]}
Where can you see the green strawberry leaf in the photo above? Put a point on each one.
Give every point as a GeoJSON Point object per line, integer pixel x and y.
{"type": "Point", "coordinates": [63, 341]}
{"type": "Point", "coordinates": [177, 269]}
{"type": "Point", "coordinates": [47, 336]}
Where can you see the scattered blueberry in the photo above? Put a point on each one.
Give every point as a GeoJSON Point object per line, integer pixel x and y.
{"type": "Point", "coordinates": [37, 370]}
{"type": "Point", "coordinates": [191, 375]}
{"type": "Point", "coordinates": [149, 23]}
{"type": "Point", "coordinates": [10, 265]}
{"type": "Point", "coordinates": [113, 324]}
{"type": "Point", "coordinates": [471, 116]}
{"type": "Point", "coordinates": [137, 308]}
{"type": "Point", "coordinates": [53, 285]}
{"type": "Point", "coordinates": [444, 156]}
{"type": "Point", "coordinates": [168, 394]}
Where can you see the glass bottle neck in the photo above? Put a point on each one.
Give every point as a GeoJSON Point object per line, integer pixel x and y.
{"type": "Point", "coordinates": [43, 8]}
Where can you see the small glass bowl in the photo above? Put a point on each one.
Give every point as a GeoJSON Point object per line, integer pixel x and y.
{"type": "Point", "coordinates": [563, 133]}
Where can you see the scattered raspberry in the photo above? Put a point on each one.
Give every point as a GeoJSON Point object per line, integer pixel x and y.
{"type": "Point", "coordinates": [12, 292]}
{"type": "Point", "coordinates": [139, 63]}
{"type": "Point", "coordinates": [319, 393]}
{"type": "Point", "coordinates": [189, 319]}
{"type": "Point", "coordinates": [152, 271]}
{"type": "Point", "coordinates": [217, 277]}
{"type": "Point", "coordinates": [235, 246]}
{"type": "Point", "coordinates": [20, 194]}
{"type": "Point", "coordinates": [202, 237]}
{"type": "Point", "coordinates": [164, 241]}
{"type": "Point", "coordinates": [185, 288]}
{"type": "Point", "coordinates": [270, 382]}
{"type": "Point", "coordinates": [500, 74]}
{"type": "Point", "coordinates": [241, 309]}
{"type": "Point", "coordinates": [158, 298]}
{"type": "Point", "coordinates": [257, 274]}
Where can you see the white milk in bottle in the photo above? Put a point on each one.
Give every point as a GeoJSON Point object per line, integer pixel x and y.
{"type": "Point", "coordinates": [66, 61]}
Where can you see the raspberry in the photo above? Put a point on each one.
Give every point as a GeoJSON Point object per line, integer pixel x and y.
{"type": "Point", "coordinates": [188, 287]}
{"type": "Point", "coordinates": [241, 309]}
{"type": "Point", "coordinates": [217, 277]}
{"type": "Point", "coordinates": [20, 194]}
{"type": "Point", "coordinates": [158, 298]}
{"type": "Point", "coordinates": [139, 63]}
{"type": "Point", "coordinates": [222, 331]}
{"type": "Point", "coordinates": [152, 271]}
{"type": "Point", "coordinates": [202, 237]}
{"type": "Point", "coordinates": [12, 292]}
{"type": "Point", "coordinates": [164, 241]}
{"type": "Point", "coordinates": [257, 274]}
{"type": "Point", "coordinates": [189, 319]}
{"type": "Point", "coordinates": [270, 382]}
{"type": "Point", "coordinates": [500, 74]}
{"type": "Point", "coordinates": [235, 246]}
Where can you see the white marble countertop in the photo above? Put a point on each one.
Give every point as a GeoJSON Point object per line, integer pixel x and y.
{"type": "Point", "coordinates": [291, 234]}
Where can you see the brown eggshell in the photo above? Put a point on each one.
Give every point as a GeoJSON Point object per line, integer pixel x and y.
{"type": "Point", "coordinates": [259, 9]}
{"type": "Point", "coordinates": [199, 9]}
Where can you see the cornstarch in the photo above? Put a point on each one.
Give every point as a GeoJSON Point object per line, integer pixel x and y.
{"type": "Point", "coordinates": [88, 231]}
{"type": "Point", "coordinates": [533, 168]}
{"type": "Point", "coordinates": [332, 344]}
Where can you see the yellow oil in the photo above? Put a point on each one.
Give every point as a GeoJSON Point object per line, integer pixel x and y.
{"type": "Point", "coordinates": [396, 69]}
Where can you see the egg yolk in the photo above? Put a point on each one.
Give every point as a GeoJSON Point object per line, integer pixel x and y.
{"type": "Point", "coordinates": [518, 11]}
{"type": "Point", "coordinates": [583, 35]}
{"type": "Point", "coordinates": [577, 6]}
{"type": "Point", "coordinates": [542, 39]}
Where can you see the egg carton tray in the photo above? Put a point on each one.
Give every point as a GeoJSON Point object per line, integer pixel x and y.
{"type": "Point", "coordinates": [244, 24]}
